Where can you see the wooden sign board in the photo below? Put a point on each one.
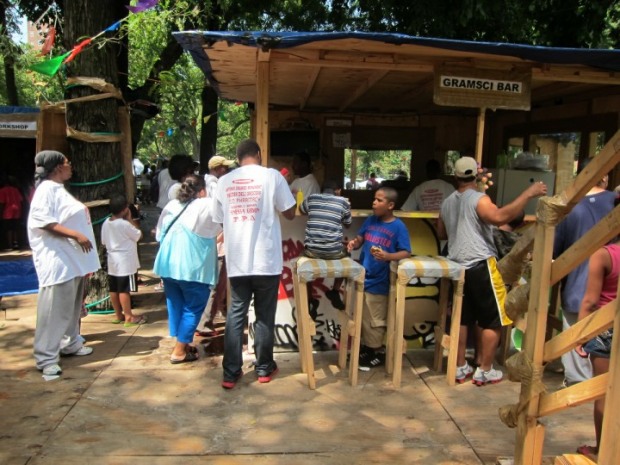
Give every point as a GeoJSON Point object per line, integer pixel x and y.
{"type": "Point", "coordinates": [482, 88]}
{"type": "Point", "coordinates": [19, 125]}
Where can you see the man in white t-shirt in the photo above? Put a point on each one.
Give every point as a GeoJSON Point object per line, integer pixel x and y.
{"type": "Point", "coordinates": [306, 183]}
{"type": "Point", "coordinates": [218, 167]}
{"type": "Point", "coordinates": [248, 202]}
{"type": "Point", "coordinates": [429, 195]}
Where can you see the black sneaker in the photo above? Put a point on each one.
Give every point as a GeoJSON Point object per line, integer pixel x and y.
{"type": "Point", "coordinates": [334, 297]}
{"type": "Point", "coordinates": [371, 359]}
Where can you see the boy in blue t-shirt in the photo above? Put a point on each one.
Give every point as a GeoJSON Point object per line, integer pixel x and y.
{"type": "Point", "coordinates": [383, 238]}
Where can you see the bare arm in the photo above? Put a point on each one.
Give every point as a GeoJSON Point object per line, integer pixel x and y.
{"type": "Point", "coordinates": [599, 265]}
{"type": "Point", "coordinates": [492, 214]}
{"type": "Point", "coordinates": [355, 244]}
{"type": "Point", "coordinates": [441, 229]}
{"type": "Point", "coordinates": [62, 231]}
{"type": "Point", "coordinates": [384, 256]}
{"type": "Point", "coordinates": [290, 213]}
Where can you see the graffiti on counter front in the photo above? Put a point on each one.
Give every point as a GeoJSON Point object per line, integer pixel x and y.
{"type": "Point", "coordinates": [285, 335]}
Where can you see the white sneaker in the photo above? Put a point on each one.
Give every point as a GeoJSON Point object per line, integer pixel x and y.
{"type": "Point", "coordinates": [464, 372]}
{"type": "Point", "coordinates": [52, 370]}
{"type": "Point", "coordinates": [492, 376]}
{"type": "Point", "coordinates": [84, 350]}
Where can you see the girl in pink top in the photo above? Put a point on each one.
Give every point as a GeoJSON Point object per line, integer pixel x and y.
{"type": "Point", "coordinates": [601, 289]}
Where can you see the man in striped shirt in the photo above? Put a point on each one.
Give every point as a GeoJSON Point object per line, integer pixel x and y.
{"type": "Point", "coordinates": [327, 213]}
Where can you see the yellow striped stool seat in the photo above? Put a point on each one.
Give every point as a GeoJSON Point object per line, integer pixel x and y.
{"type": "Point", "coordinates": [426, 267]}
{"type": "Point", "coordinates": [306, 270]}
{"type": "Point", "coordinates": [401, 274]}
{"type": "Point", "coordinates": [309, 269]}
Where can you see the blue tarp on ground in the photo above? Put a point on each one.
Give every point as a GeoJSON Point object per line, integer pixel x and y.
{"type": "Point", "coordinates": [18, 277]}
{"type": "Point", "coordinates": [607, 59]}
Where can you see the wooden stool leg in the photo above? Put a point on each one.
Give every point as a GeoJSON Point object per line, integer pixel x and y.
{"type": "Point", "coordinates": [391, 344]}
{"type": "Point", "coordinates": [440, 329]}
{"type": "Point", "coordinates": [358, 297]}
{"type": "Point", "coordinates": [455, 327]}
{"type": "Point", "coordinates": [398, 334]}
{"type": "Point", "coordinates": [309, 331]}
{"type": "Point", "coordinates": [305, 329]}
{"type": "Point", "coordinates": [300, 323]}
{"type": "Point", "coordinates": [345, 320]}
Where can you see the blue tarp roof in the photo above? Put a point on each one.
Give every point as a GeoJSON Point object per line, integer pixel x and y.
{"type": "Point", "coordinates": [606, 59]}
{"type": "Point", "coordinates": [5, 110]}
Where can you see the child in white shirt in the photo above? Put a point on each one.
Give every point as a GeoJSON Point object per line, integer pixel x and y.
{"type": "Point", "coordinates": [120, 236]}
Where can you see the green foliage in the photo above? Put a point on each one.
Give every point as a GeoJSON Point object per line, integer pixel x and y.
{"type": "Point", "coordinates": [33, 88]}
{"type": "Point", "coordinates": [384, 163]}
{"type": "Point", "coordinates": [175, 128]}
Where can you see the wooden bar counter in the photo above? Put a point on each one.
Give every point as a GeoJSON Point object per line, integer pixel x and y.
{"type": "Point", "coordinates": [422, 297]}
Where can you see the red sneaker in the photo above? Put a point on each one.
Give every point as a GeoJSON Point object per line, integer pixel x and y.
{"type": "Point", "coordinates": [266, 377]}
{"type": "Point", "coordinates": [229, 384]}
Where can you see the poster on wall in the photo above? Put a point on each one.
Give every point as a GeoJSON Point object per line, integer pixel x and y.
{"type": "Point", "coordinates": [341, 140]}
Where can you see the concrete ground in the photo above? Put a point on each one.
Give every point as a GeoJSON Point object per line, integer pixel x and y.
{"type": "Point", "coordinates": [126, 404]}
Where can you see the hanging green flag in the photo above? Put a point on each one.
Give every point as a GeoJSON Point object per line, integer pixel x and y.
{"type": "Point", "coordinates": [49, 67]}
{"type": "Point", "coordinates": [222, 116]}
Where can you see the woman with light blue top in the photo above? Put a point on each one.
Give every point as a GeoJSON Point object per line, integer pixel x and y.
{"type": "Point", "coordinates": [187, 262]}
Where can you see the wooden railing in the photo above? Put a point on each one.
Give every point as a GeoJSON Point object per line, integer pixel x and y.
{"type": "Point", "coordinates": [534, 402]}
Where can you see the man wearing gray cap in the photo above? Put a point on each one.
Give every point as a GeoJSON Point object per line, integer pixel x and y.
{"type": "Point", "coordinates": [466, 219]}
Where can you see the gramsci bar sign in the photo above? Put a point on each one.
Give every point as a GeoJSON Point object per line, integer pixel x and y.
{"type": "Point", "coordinates": [479, 88]}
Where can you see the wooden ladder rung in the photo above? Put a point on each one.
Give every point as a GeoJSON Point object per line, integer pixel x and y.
{"type": "Point", "coordinates": [573, 459]}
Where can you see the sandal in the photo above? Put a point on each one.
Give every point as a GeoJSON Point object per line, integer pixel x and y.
{"type": "Point", "coordinates": [191, 349]}
{"type": "Point", "coordinates": [189, 357]}
{"type": "Point", "coordinates": [140, 321]}
{"type": "Point", "coordinates": [588, 451]}
{"type": "Point", "coordinates": [117, 321]}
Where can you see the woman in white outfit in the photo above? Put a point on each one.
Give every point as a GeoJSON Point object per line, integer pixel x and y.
{"type": "Point", "coordinates": [62, 241]}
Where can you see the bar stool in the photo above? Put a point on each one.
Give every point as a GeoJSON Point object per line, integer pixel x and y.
{"type": "Point", "coordinates": [401, 274]}
{"type": "Point", "coordinates": [308, 269]}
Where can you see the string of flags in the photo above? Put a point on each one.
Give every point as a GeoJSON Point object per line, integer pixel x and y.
{"type": "Point", "coordinates": [205, 119]}
{"type": "Point", "coordinates": [51, 66]}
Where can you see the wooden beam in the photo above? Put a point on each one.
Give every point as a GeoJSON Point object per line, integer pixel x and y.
{"type": "Point", "coordinates": [580, 332]}
{"type": "Point", "coordinates": [310, 87]}
{"type": "Point", "coordinates": [600, 165]}
{"type": "Point", "coordinates": [604, 231]}
{"type": "Point", "coordinates": [527, 445]}
{"type": "Point", "coordinates": [577, 394]}
{"type": "Point", "coordinates": [362, 89]}
{"type": "Point", "coordinates": [480, 134]}
{"type": "Point", "coordinates": [609, 451]}
{"type": "Point", "coordinates": [354, 63]}
{"type": "Point", "coordinates": [262, 104]}
{"type": "Point", "coordinates": [575, 74]}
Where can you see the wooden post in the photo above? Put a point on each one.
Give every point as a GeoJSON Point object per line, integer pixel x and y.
{"type": "Point", "coordinates": [528, 448]}
{"type": "Point", "coordinates": [262, 104]}
{"type": "Point", "coordinates": [353, 167]}
{"type": "Point", "coordinates": [609, 450]}
{"type": "Point", "coordinates": [480, 134]}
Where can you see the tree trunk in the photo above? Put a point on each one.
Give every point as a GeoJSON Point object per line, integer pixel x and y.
{"type": "Point", "coordinates": [9, 60]}
{"type": "Point", "coordinates": [94, 161]}
{"type": "Point", "coordinates": [208, 135]}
